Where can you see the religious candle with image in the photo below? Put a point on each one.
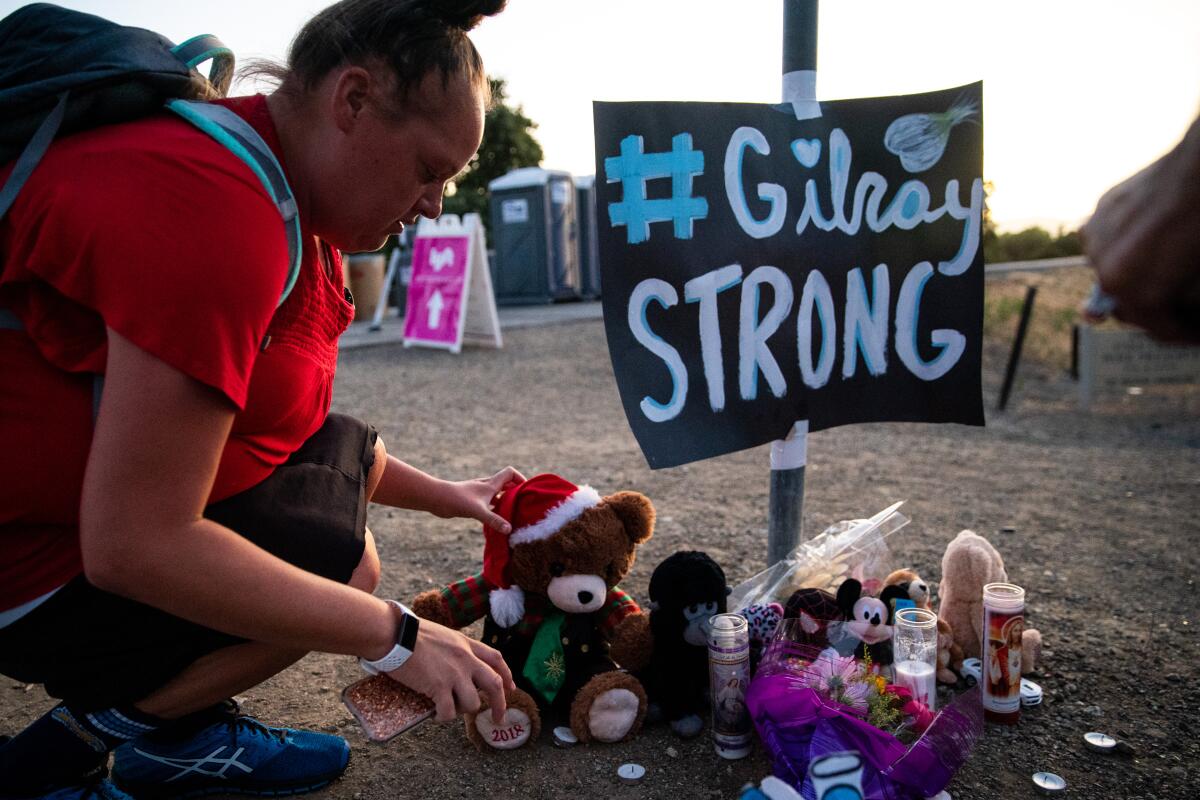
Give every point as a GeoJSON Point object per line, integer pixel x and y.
{"type": "Point", "coordinates": [1003, 623]}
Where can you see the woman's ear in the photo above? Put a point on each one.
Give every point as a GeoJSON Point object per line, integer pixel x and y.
{"type": "Point", "coordinates": [351, 88]}
{"type": "Point", "coordinates": [635, 512]}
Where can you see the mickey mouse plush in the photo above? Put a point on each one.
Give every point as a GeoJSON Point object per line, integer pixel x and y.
{"type": "Point", "coordinates": [868, 622]}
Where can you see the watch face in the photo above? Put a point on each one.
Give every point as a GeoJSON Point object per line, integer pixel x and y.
{"type": "Point", "coordinates": [407, 637]}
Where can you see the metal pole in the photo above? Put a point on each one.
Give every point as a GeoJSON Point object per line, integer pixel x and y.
{"type": "Point", "coordinates": [800, 57]}
{"type": "Point", "coordinates": [789, 455]}
{"type": "Point", "coordinates": [1015, 355]}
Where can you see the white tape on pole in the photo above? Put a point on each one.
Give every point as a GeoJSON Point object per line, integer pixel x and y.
{"type": "Point", "coordinates": [791, 452]}
{"type": "Point", "coordinates": [800, 89]}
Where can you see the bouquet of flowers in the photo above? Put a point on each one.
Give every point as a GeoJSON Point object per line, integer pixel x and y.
{"type": "Point", "coordinates": [857, 685]}
{"type": "Point", "coordinates": [807, 702]}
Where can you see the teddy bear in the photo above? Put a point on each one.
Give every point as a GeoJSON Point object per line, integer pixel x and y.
{"type": "Point", "coordinates": [969, 563]}
{"type": "Point", "coordinates": [949, 654]}
{"type": "Point", "coordinates": [668, 648]}
{"type": "Point", "coordinates": [551, 605]}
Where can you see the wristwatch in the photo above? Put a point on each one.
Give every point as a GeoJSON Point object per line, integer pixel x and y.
{"type": "Point", "coordinates": [406, 642]}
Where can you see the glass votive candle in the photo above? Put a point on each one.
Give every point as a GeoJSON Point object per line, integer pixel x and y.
{"type": "Point", "coordinates": [914, 645]}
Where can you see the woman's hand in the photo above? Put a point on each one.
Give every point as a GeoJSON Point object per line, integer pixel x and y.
{"type": "Point", "coordinates": [474, 499]}
{"type": "Point", "coordinates": [1144, 243]}
{"type": "Point", "coordinates": [453, 670]}
{"type": "Point", "coordinates": [405, 486]}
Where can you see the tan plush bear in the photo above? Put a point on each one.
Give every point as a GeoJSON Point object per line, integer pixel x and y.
{"type": "Point", "coordinates": [552, 607]}
{"type": "Point", "coordinates": [969, 563]}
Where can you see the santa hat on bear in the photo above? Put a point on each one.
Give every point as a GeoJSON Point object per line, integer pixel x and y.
{"type": "Point", "coordinates": [536, 509]}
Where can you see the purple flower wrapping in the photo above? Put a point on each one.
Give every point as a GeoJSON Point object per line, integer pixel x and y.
{"type": "Point", "coordinates": [796, 725]}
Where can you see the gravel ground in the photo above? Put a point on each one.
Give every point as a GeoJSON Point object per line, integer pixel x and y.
{"type": "Point", "coordinates": [1103, 506]}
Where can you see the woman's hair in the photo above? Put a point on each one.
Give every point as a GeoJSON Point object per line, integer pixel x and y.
{"type": "Point", "coordinates": [410, 37]}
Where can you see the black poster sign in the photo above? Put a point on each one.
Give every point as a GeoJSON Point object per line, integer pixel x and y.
{"type": "Point", "coordinates": [759, 270]}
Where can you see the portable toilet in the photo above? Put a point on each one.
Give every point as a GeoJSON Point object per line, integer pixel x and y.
{"type": "Point", "coordinates": [589, 245]}
{"type": "Point", "coordinates": [534, 234]}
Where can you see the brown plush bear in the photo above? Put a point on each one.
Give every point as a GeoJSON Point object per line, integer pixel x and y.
{"type": "Point", "coordinates": [549, 596]}
{"type": "Point", "coordinates": [969, 563]}
{"type": "Point", "coordinates": [949, 654]}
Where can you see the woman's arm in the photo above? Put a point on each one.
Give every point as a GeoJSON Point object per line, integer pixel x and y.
{"type": "Point", "coordinates": [405, 486]}
{"type": "Point", "coordinates": [155, 452]}
{"type": "Point", "coordinates": [157, 444]}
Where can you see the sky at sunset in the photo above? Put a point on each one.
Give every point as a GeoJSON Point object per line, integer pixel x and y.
{"type": "Point", "coordinates": [1077, 95]}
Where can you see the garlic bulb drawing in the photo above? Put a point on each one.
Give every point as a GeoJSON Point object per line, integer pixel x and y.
{"type": "Point", "coordinates": [920, 139]}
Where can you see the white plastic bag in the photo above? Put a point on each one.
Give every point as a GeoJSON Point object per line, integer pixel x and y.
{"type": "Point", "coordinates": [847, 549]}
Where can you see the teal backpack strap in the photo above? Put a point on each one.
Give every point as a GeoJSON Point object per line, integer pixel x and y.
{"type": "Point", "coordinates": [244, 142]}
{"type": "Point", "coordinates": [198, 49]}
{"type": "Point", "coordinates": [11, 322]}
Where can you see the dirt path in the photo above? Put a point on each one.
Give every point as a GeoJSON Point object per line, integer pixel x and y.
{"type": "Point", "coordinates": [1104, 508]}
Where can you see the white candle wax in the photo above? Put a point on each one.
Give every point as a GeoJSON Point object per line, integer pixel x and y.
{"type": "Point", "coordinates": [919, 678]}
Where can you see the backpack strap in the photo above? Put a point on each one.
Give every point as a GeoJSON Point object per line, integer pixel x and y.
{"type": "Point", "coordinates": [11, 322]}
{"type": "Point", "coordinates": [198, 49]}
{"type": "Point", "coordinates": [243, 141]}
{"type": "Point", "coordinates": [32, 153]}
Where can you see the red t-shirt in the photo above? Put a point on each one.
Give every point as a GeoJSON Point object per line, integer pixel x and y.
{"type": "Point", "coordinates": [159, 232]}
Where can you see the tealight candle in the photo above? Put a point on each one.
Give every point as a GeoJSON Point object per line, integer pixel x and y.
{"type": "Point", "coordinates": [631, 773]}
{"type": "Point", "coordinates": [1049, 783]}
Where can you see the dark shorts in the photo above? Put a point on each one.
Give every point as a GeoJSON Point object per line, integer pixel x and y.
{"type": "Point", "coordinates": [99, 650]}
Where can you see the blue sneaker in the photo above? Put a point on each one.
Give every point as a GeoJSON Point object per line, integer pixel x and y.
{"type": "Point", "coordinates": [95, 790]}
{"type": "Point", "coordinates": [235, 755]}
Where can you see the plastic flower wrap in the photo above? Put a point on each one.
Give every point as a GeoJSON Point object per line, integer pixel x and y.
{"type": "Point", "coordinates": [798, 704]}
{"type": "Point", "coordinates": [838, 678]}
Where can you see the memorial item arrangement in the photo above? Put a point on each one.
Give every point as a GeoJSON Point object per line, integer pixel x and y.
{"type": "Point", "coordinates": [551, 605]}
{"type": "Point", "coordinates": [855, 669]}
{"type": "Point", "coordinates": [848, 666]}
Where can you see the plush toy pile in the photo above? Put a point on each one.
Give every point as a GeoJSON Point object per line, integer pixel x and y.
{"type": "Point", "coordinates": [855, 623]}
{"type": "Point", "coordinates": [825, 684]}
{"type": "Point", "coordinates": [585, 655]}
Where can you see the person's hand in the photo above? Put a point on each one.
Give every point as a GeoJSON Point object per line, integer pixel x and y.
{"type": "Point", "coordinates": [474, 499]}
{"type": "Point", "coordinates": [1144, 243]}
{"type": "Point", "coordinates": [453, 670]}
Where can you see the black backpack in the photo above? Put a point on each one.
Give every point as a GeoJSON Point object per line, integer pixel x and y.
{"type": "Point", "coordinates": [63, 71]}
